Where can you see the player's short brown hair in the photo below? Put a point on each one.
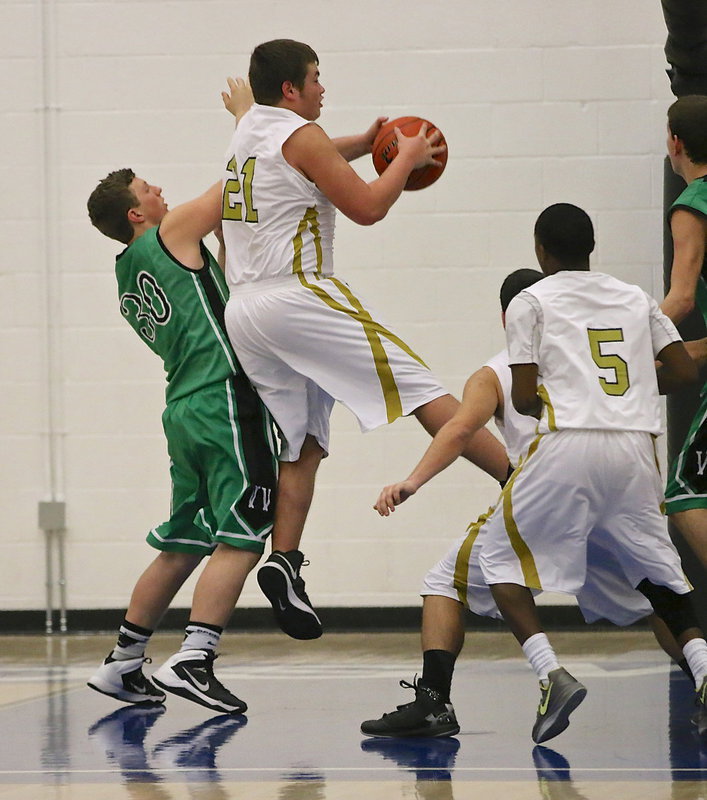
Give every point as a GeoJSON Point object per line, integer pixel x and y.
{"type": "Point", "coordinates": [109, 204]}
{"type": "Point", "coordinates": [272, 63]}
{"type": "Point", "coordinates": [687, 119]}
{"type": "Point", "coordinates": [516, 282]}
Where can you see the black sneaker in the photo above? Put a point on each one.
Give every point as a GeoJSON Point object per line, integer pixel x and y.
{"type": "Point", "coordinates": [427, 715]}
{"type": "Point", "coordinates": [190, 674]}
{"type": "Point", "coordinates": [280, 580]}
{"type": "Point", "coordinates": [125, 680]}
{"type": "Point", "coordinates": [558, 699]}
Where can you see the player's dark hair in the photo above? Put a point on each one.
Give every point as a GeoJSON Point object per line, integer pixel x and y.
{"type": "Point", "coordinates": [109, 204]}
{"type": "Point", "coordinates": [516, 282]}
{"type": "Point", "coordinates": [687, 119]}
{"type": "Point", "coordinates": [272, 63]}
{"type": "Point", "coordinates": [567, 233]}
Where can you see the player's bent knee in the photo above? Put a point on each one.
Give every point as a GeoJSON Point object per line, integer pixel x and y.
{"type": "Point", "coordinates": [674, 609]}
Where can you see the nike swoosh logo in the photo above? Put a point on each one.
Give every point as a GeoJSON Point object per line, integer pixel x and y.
{"type": "Point", "coordinates": [280, 604]}
{"type": "Point", "coordinates": [199, 685]}
{"type": "Point", "coordinates": [542, 708]}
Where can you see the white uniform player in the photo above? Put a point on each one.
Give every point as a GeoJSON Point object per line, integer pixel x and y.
{"type": "Point", "coordinates": [302, 335]}
{"type": "Point", "coordinates": [592, 467]}
{"type": "Point", "coordinates": [606, 594]}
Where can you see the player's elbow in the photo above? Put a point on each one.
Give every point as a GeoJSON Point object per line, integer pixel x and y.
{"type": "Point", "coordinates": [368, 216]}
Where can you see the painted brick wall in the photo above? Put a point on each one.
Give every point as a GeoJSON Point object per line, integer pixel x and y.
{"type": "Point", "coordinates": [540, 100]}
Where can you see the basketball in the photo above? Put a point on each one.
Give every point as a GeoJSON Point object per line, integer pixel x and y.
{"type": "Point", "coordinates": [385, 148]}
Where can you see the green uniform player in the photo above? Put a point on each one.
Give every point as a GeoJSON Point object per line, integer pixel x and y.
{"type": "Point", "coordinates": [686, 493]}
{"type": "Point", "coordinates": [219, 435]}
{"type": "Point", "coordinates": [687, 479]}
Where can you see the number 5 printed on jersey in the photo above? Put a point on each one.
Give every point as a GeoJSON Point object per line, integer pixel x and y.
{"type": "Point", "coordinates": [609, 361]}
{"type": "Point", "coordinates": [237, 194]}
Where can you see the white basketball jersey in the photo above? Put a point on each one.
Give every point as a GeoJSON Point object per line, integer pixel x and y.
{"type": "Point", "coordinates": [517, 430]}
{"type": "Point", "coordinates": [594, 339]}
{"type": "Point", "coordinates": [275, 221]}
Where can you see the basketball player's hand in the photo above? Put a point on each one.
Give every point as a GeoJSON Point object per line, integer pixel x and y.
{"type": "Point", "coordinates": [394, 495]}
{"type": "Point", "coordinates": [239, 98]}
{"type": "Point", "coordinates": [370, 135]}
{"type": "Point", "coordinates": [422, 147]}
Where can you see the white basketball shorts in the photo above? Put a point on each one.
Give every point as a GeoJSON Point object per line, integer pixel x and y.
{"type": "Point", "coordinates": [305, 341]}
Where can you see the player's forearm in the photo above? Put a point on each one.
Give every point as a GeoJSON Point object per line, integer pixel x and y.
{"type": "Point", "coordinates": [352, 147]}
{"type": "Point", "coordinates": [446, 447]}
{"type": "Point", "coordinates": [381, 194]}
{"type": "Point", "coordinates": [677, 305]}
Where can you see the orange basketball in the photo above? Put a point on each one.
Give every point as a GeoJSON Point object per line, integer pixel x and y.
{"type": "Point", "coordinates": [385, 148]}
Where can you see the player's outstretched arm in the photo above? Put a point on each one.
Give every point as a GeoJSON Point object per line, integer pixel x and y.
{"type": "Point", "coordinates": [688, 233]}
{"type": "Point", "coordinates": [315, 155]}
{"type": "Point", "coordinates": [676, 370]}
{"type": "Point", "coordinates": [239, 97]}
{"type": "Point", "coordinates": [352, 147]}
{"type": "Point", "coordinates": [184, 227]}
{"type": "Point", "coordinates": [482, 397]}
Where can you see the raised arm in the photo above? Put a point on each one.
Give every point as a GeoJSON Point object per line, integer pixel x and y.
{"type": "Point", "coordinates": [482, 397]}
{"type": "Point", "coordinates": [184, 227]}
{"type": "Point", "coordinates": [239, 97]}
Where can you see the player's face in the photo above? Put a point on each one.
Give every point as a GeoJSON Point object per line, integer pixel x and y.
{"type": "Point", "coordinates": [150, 202]}
{"type": "Point", "coordinates": [310, 95]}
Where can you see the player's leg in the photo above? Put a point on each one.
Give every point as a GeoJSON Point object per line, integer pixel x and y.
{"type": "Point", "coordinates": [692, 524]}
{"type": "Point", "coordinates": [279, 577]}
{"type": "Point", "coordinates": [431, 713]}
{"type": "Point", "coordinates": [560, 692]}
{"type": "Point", "coordinates": [483, 449]}
{"type": "Point", "coordinates": [120, 675]}
{"type": "Point", "coordinates": [182, 545]}
{"type": "Point", "coordinates": [190, 672]}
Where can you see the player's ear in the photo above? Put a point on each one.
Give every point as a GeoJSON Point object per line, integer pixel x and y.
{"type": "Point", "coordinates": [135, 216]}
{"type": "Point", "coordinates": [288, 90]}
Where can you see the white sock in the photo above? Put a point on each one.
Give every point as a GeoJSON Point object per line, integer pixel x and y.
{"type": "Point", "coordinates": [695, 652]}
{"type": "Point", "coordinates": [539, 652]}
{"type": "Point", "coordinates": [132, 641]}
{"type": "Point", "coordinates": [200, 636]}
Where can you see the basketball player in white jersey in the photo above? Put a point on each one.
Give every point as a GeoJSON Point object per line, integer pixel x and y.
{"type": "Point", "coordinates": [304, 336]}
{"type": "Point", "coordinates": [582, 348]}
{"type": "Point", "coordinates": [456, 580]}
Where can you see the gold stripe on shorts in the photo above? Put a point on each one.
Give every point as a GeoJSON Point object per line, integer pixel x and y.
{"type": "Point", "coordinates": [309, 220]}
{"type": "Point", "coordinates": [521, 549]}
{"type": "Point", "coordinates": [545, 397]}
{"type": "Point", "coordinates": [373, 331]}
{"type": "Point", "coordinates": [461, 565]}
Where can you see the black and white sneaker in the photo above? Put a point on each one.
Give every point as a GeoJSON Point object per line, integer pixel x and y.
{"type": "Point", "coordinates": [190, 674]}
{"type": "Point", "coordinates": [125, 680]}
{"type": "Point", "coordinates": [428, 715]}
{"type": "Point", "coordinates": [280, 580]}
{"type": "Point", "coordinates": [700, 717]}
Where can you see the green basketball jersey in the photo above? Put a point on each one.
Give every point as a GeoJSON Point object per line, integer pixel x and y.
{"type": "Point", "coordinates": [178, 312]}
{"type": "Point", "coordinates": [694, 199]}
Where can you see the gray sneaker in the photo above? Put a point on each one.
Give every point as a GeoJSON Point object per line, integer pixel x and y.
{"type": "Point", "coordinates": [558, 699]}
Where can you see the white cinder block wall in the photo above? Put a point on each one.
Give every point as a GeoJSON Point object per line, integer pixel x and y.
{"type": "Point", "coordinates": [541, 101]}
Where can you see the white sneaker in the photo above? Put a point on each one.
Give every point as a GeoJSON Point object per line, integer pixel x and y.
{"type": "Point", "coordinates": [125, 680]}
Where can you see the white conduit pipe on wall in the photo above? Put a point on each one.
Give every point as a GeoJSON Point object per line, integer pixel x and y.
{"type": "Point", "coordinates": [51, 510]}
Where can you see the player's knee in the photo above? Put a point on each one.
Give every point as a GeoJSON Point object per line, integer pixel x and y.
{"type": "Point", "coordinates": [674, 609]}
